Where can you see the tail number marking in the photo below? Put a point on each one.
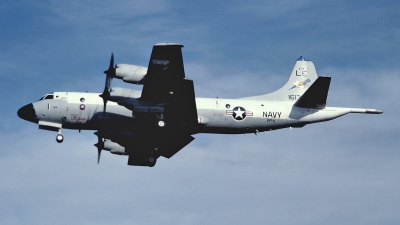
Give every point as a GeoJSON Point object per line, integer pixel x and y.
{"type": "Point", "coordinates": [293, 97]}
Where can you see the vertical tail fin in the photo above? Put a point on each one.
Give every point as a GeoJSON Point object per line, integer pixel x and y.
{"type": "Point", "coordinates": [302, 77]}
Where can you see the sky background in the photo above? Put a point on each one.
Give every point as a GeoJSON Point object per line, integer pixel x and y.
{"type": "Point", "coordinates": [345, 171]}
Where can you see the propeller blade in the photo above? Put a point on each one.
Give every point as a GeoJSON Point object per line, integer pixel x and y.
{"type": "Point", "coordinates": [110, 72]}
{"type": "Point", "coordinates": [100, 146]}
{"type": "Point", "coordinates": [104, 107]}
{"type": "Point", "coordinates": [98, 156]}
{"type": "Point", "coordinates": [104, 96]}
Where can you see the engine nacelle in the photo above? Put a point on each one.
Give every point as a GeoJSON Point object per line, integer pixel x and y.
{"type": "Point", "coordinates": [114, 148]}
{"type": "Point", "coordinates": [117, 94]}
{"type": "Point", "coordinates": [130, 73]}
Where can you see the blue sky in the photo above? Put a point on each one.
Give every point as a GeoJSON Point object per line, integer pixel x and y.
{"type": "Point", "coordinates": [346, 171]}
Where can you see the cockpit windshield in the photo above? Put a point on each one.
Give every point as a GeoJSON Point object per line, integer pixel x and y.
{"type": "Point", "coordinates": [48, 96]}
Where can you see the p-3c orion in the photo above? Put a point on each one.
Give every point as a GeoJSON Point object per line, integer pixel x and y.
{"type": "Point", "coordinates": [162, 118]}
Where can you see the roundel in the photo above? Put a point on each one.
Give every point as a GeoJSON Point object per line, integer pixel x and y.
{"type": "Point", "coordinates": [239, 113]}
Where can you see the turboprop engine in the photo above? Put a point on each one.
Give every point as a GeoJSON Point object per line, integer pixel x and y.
{"type": "Point", "coordinates": [130, 73]}
{"type": "Point", "coordinates": [117, 94]}
{"type": "Point", "coordinates": [129, 99]}
{"type": "Point", "coordinates": [113, 147]}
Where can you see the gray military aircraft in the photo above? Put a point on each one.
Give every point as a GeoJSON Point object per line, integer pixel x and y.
{"type": "Point", "coordinates": [161, 119]}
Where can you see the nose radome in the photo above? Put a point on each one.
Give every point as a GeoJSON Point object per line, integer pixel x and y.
{"type": "Point", "coordinates": [28, 113]}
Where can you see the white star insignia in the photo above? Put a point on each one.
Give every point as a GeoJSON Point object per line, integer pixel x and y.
{"type": "Point", "coordinates": [239, 113]}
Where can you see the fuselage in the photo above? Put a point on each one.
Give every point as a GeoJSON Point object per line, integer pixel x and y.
{"type": "Point", "coordinates": [84, 111]}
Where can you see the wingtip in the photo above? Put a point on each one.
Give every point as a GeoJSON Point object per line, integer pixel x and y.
{"type": "Point", "coordinates": [169, 44]}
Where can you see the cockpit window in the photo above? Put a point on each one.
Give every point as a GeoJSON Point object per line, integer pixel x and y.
{"type": "Point", "coordinates": [49, 96]}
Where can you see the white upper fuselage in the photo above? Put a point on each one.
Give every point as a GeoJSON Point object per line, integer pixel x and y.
{"type": "Point", "coordinates": [279, 109]}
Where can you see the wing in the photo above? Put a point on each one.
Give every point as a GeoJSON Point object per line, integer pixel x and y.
{"type": "Point", "coordinates": [165, 89]}
{"type": "Point", "coordinates": [156, 146]}
{"type": "Point", "coordinates": [164, 70]}
{"type": "Point", "coordinates": [166, 62]}
{"type": "Point", "coordinates": [168, 96]}
{"type": "Point", "coordinates": [142, 146]}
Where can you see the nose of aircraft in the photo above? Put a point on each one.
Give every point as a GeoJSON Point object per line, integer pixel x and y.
{"type": "Point", "coordinates": [28, 113]}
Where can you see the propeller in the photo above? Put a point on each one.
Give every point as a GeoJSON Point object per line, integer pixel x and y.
{"type": "Point", "coordinates": [107, 87]}
{"type": "Point", "coordinates": [100, 146]}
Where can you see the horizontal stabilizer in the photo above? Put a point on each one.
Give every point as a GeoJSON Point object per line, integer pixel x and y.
{"type": "Point", "coordinates": [316, 94]}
